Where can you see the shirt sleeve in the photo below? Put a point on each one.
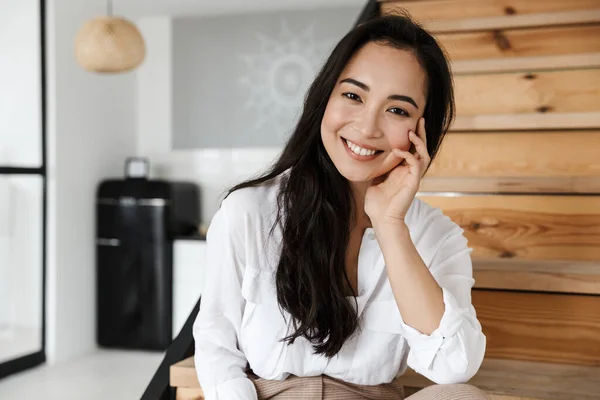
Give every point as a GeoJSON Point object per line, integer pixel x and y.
{"type": "Point", "coordinates": [220, 364]}
{"type": "Point", "coordinates": [453, 352]}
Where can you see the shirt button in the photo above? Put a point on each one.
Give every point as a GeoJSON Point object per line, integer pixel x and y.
{"type": "Point", "coordinates": [371, 236]}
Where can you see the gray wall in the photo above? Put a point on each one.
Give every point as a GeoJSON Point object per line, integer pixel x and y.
{"type": "Point", "coordinates": [239, 81]}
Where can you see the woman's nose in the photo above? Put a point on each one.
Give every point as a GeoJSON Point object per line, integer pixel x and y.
{"type": "Point", "coordinates": [368, 125]}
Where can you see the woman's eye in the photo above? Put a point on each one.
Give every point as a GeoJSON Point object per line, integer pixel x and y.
{"type": "Point", "coordinates": [399, 111]}
{"type": "Point", "coordinates": [352, 96]}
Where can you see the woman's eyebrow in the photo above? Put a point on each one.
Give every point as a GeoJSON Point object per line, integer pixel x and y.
{"type": "Point", "coordinates": [366, 88]}
{"type": "Point", "coordinates": [402, 97]}
{"type": "Point", "coordinates": [354, 82]}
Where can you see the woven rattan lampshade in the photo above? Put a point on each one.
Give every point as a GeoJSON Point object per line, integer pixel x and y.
{"type": "Point", "coordinates": [108, 44]}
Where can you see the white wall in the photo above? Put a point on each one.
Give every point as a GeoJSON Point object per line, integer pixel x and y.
{"type": "Point", "coordinates": [223, 7]}
{"type": "Point", "coordinates": [91, 129]}
{"type": "Point", "coordinates": [154, 87]}
{"type": "Point", "coordinates": [213, 169]}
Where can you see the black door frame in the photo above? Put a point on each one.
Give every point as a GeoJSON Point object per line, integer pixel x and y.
{"type": "Point", "coordinates": [39, 357]}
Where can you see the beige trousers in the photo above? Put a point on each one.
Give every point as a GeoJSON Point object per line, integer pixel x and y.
{"type": "Point", "coordinates": [326, 388]}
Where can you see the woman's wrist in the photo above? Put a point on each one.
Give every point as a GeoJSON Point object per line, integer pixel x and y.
{"type": "Point", "coordinates": [391, 233]}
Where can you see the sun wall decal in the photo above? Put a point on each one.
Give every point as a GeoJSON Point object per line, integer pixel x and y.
{"type": "Point", "coordinates": [278, 75]}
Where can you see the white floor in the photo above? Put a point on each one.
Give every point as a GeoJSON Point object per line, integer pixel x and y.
{"type": "Point", "coordinates": [105, 374]}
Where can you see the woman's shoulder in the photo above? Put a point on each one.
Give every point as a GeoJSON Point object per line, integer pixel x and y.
{"type": "Point", "coordinates": [430, 225]}
{"type": "Point", "coordinates": [251, 203]}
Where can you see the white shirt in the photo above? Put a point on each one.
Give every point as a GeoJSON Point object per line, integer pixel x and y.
{"type": "Point", "coordinates": [240, 322]}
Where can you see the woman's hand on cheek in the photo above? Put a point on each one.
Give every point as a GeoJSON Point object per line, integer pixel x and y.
{"type": "Point", "coordinates": [388, 199]}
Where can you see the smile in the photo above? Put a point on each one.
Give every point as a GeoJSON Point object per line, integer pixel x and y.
{"type": "Point", "coordinates": [359, 152]}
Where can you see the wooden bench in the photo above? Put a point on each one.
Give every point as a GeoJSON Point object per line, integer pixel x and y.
{"type": "Point", "coordinates": [502, 379]}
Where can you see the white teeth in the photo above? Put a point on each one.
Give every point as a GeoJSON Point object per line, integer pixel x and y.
{"type": "Point", "coordinates": [359, 150]}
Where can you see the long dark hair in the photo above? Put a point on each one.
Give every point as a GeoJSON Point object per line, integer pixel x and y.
{"type": "Point", "coordinates": [315, 203]}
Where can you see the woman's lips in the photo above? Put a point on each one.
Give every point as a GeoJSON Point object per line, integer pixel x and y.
{"type": "Point", "coordinates": [360, 153]}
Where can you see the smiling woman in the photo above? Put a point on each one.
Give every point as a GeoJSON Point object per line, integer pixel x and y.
{"type": "Point", "coordinates": [371, 111]}
{"type": "Point", "coordinates": [328, 278]}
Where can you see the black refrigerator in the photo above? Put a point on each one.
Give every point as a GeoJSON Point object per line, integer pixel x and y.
{"type": "Point", "coordinates": [136, 222]}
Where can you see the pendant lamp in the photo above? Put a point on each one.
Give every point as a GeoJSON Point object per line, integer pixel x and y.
{"type": "Point", "coordinates": [109, 44]}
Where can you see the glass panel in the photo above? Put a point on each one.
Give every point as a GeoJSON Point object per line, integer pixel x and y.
{"type": "Point", "coordinates": [20, 83]}
{"type": "Point", "coordinates": [20, 265]}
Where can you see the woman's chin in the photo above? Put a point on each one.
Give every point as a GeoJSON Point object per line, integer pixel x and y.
{"type": "Point", "coordinates": [361, 177]}
{"type": "Point", "coordinates": [358, 177]}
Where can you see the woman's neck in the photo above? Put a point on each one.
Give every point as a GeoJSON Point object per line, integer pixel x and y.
{"type": "Point", "coordinates": [359, 191]}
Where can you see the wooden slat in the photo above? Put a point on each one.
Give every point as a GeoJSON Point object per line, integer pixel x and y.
{"type": "Point", "coordinates": [504, 185]}
{"type": "Point", "coordinates": [518, 21]}
{"type": "Point", "coordinates": [573, 91]}
{"type": "Point", "coordinates": [530, 64]}
{"type": "Point", "coordinates": [583, 120]}
{"type": "Point", "coordinates": [512, 380]}
{"type": "Point", "coordinates": [513, 21]}
{"type": "Point", "coordinates": [526, 227]}
{"type": "Point", "coordinates": [565, 154]}
{"type": "Point", "coordinates": [517, 162]}
{"type": "Point", "coordinates": [522, 42]}
{"type": "Point", "coordinates": [559, 328]}
{"type": "Point", "coordinates": [183, 374]}
{"type": "Point", "coordinates": [541, 276]}
{"type": "Point", "coordinates": [183, 393]}
{"type": "Point", "coordinates": [436, 10]}
{"type": "Point", "coordinates": [545, 100]}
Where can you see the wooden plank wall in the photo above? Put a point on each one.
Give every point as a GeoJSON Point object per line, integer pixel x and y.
{"type": "Point", "coordinates": [520, 169]}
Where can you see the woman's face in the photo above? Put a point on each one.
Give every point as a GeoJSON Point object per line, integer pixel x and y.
{"type": "Point", "coordinates": [377, 100]}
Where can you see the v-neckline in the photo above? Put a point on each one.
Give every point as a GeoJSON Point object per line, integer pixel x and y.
{"type": "Point", "coordinates": [365, 272]}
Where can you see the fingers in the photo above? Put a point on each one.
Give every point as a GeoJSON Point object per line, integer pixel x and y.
{"type": "Point", "coordinates": [421, 130]}
{"type": "Point", "coordinates": [420, 141]}
{"type": "Point", "coordinates": [420, 159]}
{"type": "Point", "coordinates": [419, 145]}
{"type": "Point", "coordinates": [409, 157]}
